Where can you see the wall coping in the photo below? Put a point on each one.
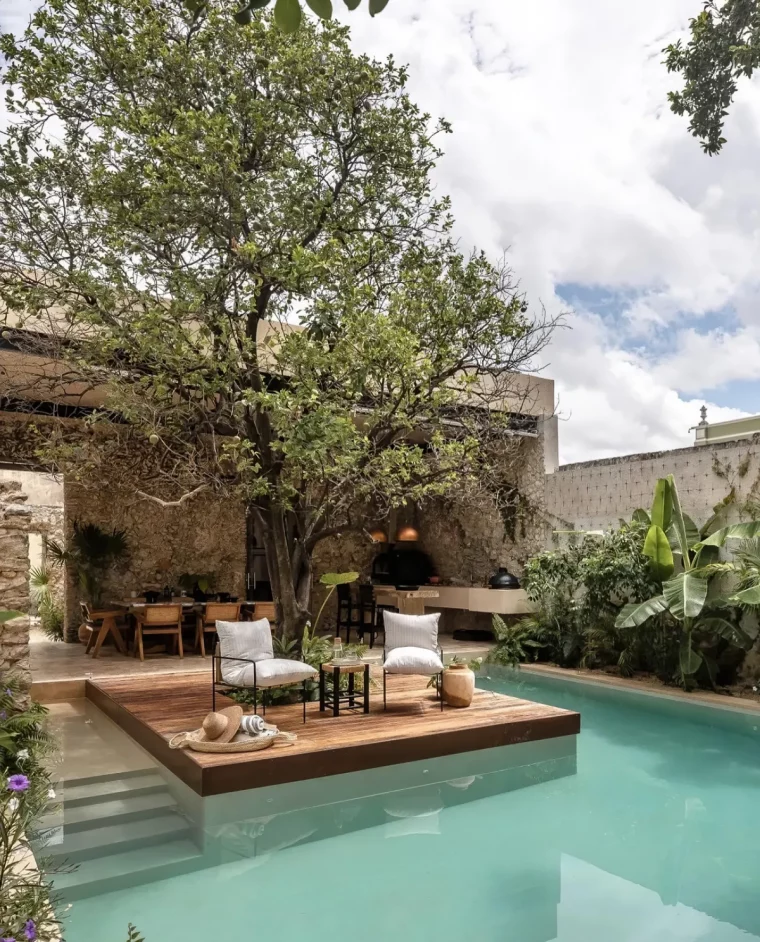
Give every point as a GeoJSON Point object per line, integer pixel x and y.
{"type": "Point", "coordinates": [651, 455]}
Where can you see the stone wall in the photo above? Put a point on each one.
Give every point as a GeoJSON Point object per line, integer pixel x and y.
{"type": "Point", "coordinates": [14, 579]}
{"type": "Point", "coordinates": [465, 535]}
{"type": "Point", "coordinates": [204, 535]}
{"type": "Point", "coordinates": [594, 495]}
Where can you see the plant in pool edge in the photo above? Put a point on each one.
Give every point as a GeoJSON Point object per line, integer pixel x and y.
{"type": "Point", "coordinates": [26, 903]}
{"type": "Point", "coordinates": [686, 560]}
{"type": "Point", "coordinates": [515, 642]}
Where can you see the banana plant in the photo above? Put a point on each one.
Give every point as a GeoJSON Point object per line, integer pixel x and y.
{"type": "Point", "coordinates": [684, 559]}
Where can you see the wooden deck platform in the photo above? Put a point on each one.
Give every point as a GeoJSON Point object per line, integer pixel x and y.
{"type": "Point", "coordinates": [151, 710]}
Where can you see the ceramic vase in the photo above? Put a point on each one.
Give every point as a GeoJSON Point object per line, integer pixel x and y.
{"type": "Point", "coordinates": [458, 685]}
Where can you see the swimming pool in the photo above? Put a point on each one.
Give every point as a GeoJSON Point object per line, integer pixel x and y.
{"type": "Point", "coordinates": [655, 837]}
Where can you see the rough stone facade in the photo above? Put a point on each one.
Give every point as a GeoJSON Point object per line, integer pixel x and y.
{"type": "Point", "coordinates": [15, 519]}
{"type": "Point", "coordinates": [594, 495]}
{"type": "Point", "coordinates": [203, 536]}
{"type": "Point", "coordinates": [465, 535]}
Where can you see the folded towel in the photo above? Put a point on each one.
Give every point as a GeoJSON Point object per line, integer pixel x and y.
{"type": "Point", "coordinates": [253, 724]}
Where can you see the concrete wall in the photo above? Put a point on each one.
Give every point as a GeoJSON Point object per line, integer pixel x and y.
{"type": "Point", "coordinates": [593, 495]}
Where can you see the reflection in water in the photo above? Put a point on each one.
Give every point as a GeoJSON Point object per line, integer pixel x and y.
{"type": "Point", "coordinates": [655, 839]}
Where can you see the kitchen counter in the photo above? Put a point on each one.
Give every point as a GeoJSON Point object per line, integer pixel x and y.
{"type": "Point", "coordinates": [463, 598]}
{"type": "Point", "coordinates": [481, 599]}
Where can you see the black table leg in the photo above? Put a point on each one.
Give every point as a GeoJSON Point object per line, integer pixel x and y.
{"type": "Point", "coordinates": [351, 689]}
{"type": "Point", "coordinates": [366, 688]}
{"type": "Point", "coordinates": [336, 691]}
{"type": "Point", "coordinates": [321, 690]}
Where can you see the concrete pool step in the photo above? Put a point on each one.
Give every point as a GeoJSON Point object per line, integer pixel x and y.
{"type": "Point", "coordinates": [119, 810]}
{"type": "Point", "coordinates": [83, 792]}
{"type": "Point", "coordinates": [130, 868]}
{"type": "Point", "coordinates": [116, 838]}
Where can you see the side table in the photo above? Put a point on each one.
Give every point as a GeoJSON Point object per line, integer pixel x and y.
{"type": "Point", "coordinates": [329, 686]}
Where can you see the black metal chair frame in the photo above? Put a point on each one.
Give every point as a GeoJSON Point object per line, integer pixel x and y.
{"type": "Point", "coordinates": [438, 677]}
{"type": "Point", "coordinates": [225, 684]}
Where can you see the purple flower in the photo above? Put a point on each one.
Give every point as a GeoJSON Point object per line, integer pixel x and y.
{"type": "Point", "coordinates": [3, 715]}
{"type": "Point", "coordinates": [8, 692]}
{"type": "Point", "coordinates": [7, 940]}
{"type": "Point", "coordinates": [18, 783]}
{"type": "Point", "coordinates": [30, 930]}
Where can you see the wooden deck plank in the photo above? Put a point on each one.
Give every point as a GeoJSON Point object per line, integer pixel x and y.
{"type": "Point", "coordinates": [413, 728]}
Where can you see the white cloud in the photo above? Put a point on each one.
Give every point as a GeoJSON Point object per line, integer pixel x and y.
{"type": "Point", "coordinates": [564, 150]}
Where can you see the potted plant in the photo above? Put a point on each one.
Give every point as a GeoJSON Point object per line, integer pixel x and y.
{"type": "Point", "coordinates": [90, 552]}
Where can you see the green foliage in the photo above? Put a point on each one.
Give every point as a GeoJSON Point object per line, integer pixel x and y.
{"type": "Point", "coordinates": [724, 47]}
{"type": "Point", "coordinates": [49, 608]}
{"type": "Point", "coordinates": [235, 184]}
{"type": "Point", "coordinates": [515, 642]}
{"type": "Point", "coordinates": [133, 935]}
{"type": "Point", "coordinates": [685, 595]}
{"type": "Point", "coordinates": [24, 747]}
{"type": "Point", "coordinates": [91, 552]}
{"type": "Point", "coordinates": [580, 591]}
{"type": "Point", "coordinates": [287, 13]}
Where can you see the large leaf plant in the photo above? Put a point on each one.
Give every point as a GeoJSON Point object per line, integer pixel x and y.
{"type": "Point", "coordinates": [686, 559]}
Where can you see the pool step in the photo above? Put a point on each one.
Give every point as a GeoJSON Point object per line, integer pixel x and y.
{"type": "Point", "coordinates": [116, 838]}
{"type": "Point", "coordinates": [118, 810]}
{"type": "Point", "coordinates": [116, 831]}
{"type": "Point", "coordinates": [87, 792]}
{"type": "Point", "coordinates": [130, 868]}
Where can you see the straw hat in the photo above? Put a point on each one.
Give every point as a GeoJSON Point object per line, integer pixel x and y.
{"type": "Point", "coordinates": [220, 729]}
{"type": "Point", "coordinates": [221, 726]}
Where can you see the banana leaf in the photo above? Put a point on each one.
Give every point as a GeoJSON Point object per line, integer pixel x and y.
{"type": "Point", "coordinates": [640, 516]}
{"type": "Point", "coordinates": [657, 548]}
{"type": "Point", "coordinates": [725, 629]}
{"type": "Point", "coordinates": [750, 596]}
{"type": "Point", "coordinates": [662, 505]}
{"type": "Point", "coordinates": [338, 578]}
{"type": "Point", "coordinates": [636, 613]}
{"type": "Point", "coordinates": [690, 659]}
{"type": "Point", "coordinates": [737, 531]}
{"type": "Point", "coordinates": [678, 522]}
{"type": "Point", "coordinates": [685, 594]}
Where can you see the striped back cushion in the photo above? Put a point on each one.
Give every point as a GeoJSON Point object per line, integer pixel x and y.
{"type": "Point", "coordinates": [411, 631]}
{"type": "Point", "coordinates": [251, 640]}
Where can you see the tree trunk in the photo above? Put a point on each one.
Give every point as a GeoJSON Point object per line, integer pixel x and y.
{"type": "Point", "coordinates": [287, 587]}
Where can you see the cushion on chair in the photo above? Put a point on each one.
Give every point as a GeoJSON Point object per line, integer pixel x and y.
{"type": "Point", "coordinates": [269, 673]}
{"type": "Point", "coordinates": [251, 640]}
{"type": "Point", "coordinates": [413, 661]}
{"type": "Point", "coordinates": [411, 631]}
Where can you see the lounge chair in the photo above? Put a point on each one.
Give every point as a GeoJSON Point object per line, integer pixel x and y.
{"type": "Point", "coordinates": [245, 660]}
{"type": "Point", "coordinates": [411, 647]}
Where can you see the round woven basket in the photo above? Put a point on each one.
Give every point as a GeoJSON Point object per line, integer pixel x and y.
{"type": "Point", "coordinates": [254, 744]}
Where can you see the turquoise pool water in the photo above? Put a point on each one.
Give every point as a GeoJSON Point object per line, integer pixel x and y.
{"type": "Point", "coordinates": [656, 837]}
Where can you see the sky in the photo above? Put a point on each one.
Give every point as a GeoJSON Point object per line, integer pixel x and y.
{"type": "Point", "coordinates": [566, 155]}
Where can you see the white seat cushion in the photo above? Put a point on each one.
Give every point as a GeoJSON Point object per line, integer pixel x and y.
{"type": "Point", "coordinates": [270, 673]}
{"type": "Point", "coordinates": [411, 631]}
{"type": "Point", "coordinates": [413, 661]}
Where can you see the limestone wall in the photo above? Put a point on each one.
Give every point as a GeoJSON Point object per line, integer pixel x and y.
{"type": "Point", "coordinates": [14, 579]}
{"type": "Point", "coordinates": [593, 495]}
{"type": "Point", "coordinates": [204, 535]}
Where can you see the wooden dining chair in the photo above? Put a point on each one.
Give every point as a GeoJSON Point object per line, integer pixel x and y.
{"type": "Point", "coordinates": [265, 610]}
{"type": "Point", "coordinates": [158, 620]}
{"type": "Point", "coordinates": [207, 618]}
{"type": "Point", "coordinates": [100, 624]}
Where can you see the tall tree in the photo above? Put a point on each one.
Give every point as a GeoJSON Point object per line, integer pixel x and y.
{"type": "Point", "coordinates": [723, 48]}
{"type": "Point", "coordinates": [232, 234]}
